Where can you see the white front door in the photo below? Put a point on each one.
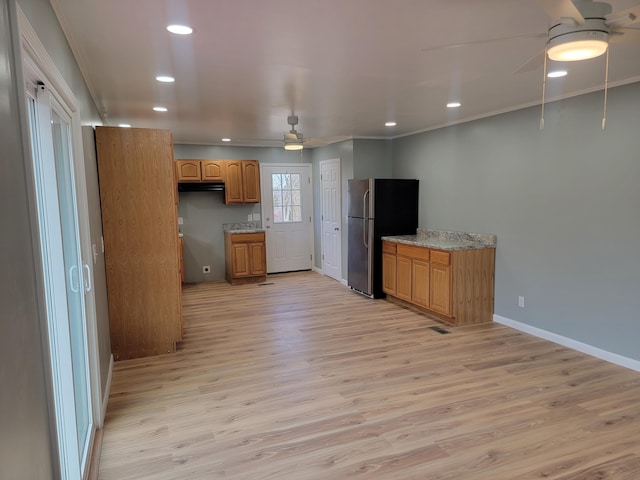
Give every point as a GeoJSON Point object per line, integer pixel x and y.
{"type": "Point", "coordinates": [286, 212]}
{"type": "Point", "coordinates": [331, 218]}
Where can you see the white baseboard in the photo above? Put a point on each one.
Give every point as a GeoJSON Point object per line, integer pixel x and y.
{"type": "Point", "coordinates": [317, 270]}
{"type": "Point", "coordinates": [570, 343]}
{"type": "Point", "coordinates": [344, 282]}
{"type": "Point", "coordinates": [107, 391]}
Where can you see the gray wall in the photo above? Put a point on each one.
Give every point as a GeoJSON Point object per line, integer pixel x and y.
{"type": "Point", "coordinates": [372, 158]}
{"type": "Point", "coordinates": [204, 213]}
{"type": "Point", "coordinates": [564, 203]}
{"type": "Point", "coordinates": [26, 443]}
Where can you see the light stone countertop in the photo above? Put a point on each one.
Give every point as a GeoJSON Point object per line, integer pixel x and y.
{"type": "Point", "coordinates": [246, 227]}
{"type": "Point", "coordinates": [445, 240]}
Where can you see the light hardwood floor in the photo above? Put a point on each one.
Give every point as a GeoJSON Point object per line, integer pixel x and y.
{"type": "Point", "coordinates": [303, 379]}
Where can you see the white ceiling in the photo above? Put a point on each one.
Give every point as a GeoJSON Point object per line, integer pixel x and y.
{"type": "Point", "coordinates": [345, 67]}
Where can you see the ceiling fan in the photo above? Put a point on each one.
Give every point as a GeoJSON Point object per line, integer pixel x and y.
{"type": "Point", "coordinates": [293, 140]}
{"type": "Point", "coordinates": [583, 29]}
{"type": "Point", "coordinates": [580, 29]}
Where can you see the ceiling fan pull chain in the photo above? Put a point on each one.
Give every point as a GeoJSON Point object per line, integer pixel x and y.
{"type": "Point", "coordinates": [544, 87]}
{"type": "Point", "coordinates": [606, 91]}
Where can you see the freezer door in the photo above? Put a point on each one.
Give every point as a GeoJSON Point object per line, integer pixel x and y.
{"type": "Point", "coordinates": [361, 198]}
{"type": "Point", "coordinates": [360, 255]}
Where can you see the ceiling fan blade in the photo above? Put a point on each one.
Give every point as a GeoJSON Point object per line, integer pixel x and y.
{"type": "Point", "coordinates": [560, 9]}
{"type": "Point", "coordinates": [625, 35]}
{"type": "Point", "coordinates": [532, 64]}
{"type": "Point", "coordinates": [482, 42]}
{"type": "Point", "coordinates": [624, 18]}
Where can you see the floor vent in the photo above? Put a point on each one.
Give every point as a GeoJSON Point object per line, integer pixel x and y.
{"type": "Point", "coordinates": [267, 283]}
{"type": "Point", "coordinates": [439, 330]}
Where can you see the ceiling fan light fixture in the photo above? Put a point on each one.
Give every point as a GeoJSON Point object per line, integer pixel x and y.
{"type": "Point", "coordinates": [577, 46]}
{"type": "Point", "coordinates": [293, 146]}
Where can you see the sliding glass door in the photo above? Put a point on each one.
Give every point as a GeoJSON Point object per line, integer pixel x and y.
{"type": "Point", "coordinates": [67, 278]}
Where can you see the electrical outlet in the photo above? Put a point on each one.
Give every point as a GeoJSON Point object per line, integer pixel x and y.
{"type": "Point", "coordinates": [250, 217]}
{"type": "Point", "coordinates": [206, 269]}
{"type": "Point", "coordinates": [180, 221]}
{"type": "Point", "coordinates": [256, 217]}
{"type": "Point", "coordinates": [521, 302]}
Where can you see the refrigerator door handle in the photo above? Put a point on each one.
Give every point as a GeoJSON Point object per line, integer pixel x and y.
{"type": "Point", "coordinates": [365, 204]}
{"type": "Point", "coordinates": [365, 234]}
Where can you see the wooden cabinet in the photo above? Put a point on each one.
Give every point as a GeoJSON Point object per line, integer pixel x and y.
{"type": "Point", "coordinates": [241, 177]}
{"type": "Point", "coordinates": [139, 221]}
{"type": "Point", "coordinates": [456, 285]}
{"type": "Point", "coordinates": [242, 181]}
{"type": "Point", "coordinates": [245, 257]}
{"type": "Point", "coordinates": [412, 270]}
{"type": "Point", "coordinates": [212, 170]}
{"type": "Point", "coordinates": [389, 268]}
{"type": "Point", "coordinates": [188, 170]}
{"type": "Point", "coordinates": [251, 181]}
{"type": "Point", "coordinates": [440, 288]}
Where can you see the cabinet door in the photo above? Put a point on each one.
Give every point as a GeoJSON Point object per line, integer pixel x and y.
{"type": "Point", "coordinates": [258, 258]}
{"type": "Point", "coordinates": [389, 273]}
{"type": "Point", "coordinates": [240, 259]}
{"type": "Point", "coordinates": [251, 181]}
{"type": "Point", "coordinates": [233, 182]}
{"type": "Point", "coordinates": [212, 170]}
{"type": "Point", "coordinates": [403, 283]}
{"type": "Point", "coordinates": [420, 283]}
{"type": "Point", "coordinates": [188, 170]}
{"type": "Point", "coordinates": [440, 289]}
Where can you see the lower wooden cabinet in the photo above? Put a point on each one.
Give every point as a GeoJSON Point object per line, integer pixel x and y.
{"type": "Point", "coordinates": [457, 285]}
{"type": "Point", "coordinates": [389, 272]}
{"type": "Point", "coordinates": [245, 257]}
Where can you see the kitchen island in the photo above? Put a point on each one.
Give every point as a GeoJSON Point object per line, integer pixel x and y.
{"type": "Point", "coordinates": [445, 273]}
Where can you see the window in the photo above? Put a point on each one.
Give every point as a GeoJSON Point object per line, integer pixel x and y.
{"type": "Point", "coordinates": [287, 198]}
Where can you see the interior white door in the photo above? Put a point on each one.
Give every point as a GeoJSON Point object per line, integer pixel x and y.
{"type": "Point", "coordinates": [331, 218]}
{"type": "Point", "coordinates": [286, 212]}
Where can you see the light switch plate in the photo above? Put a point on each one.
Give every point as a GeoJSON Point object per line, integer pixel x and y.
{"type": "Point", "coordinates": [256, 217]}
{"type": "Point", "coordinates": [180, 221]}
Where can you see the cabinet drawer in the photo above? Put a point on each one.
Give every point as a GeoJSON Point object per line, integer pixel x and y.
{"type": "Point", "coordinates": [389, 247]}
{"type": "Point", "coordinates": [247, 237]}
{"type": "Point", "coordinates": [413, 251]}
{"type": "Point", "coordinates": [443, 258]}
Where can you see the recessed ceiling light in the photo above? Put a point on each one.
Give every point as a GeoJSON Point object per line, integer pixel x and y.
{"type": "Point", "coordinates": [160, 109]}
{"type": "Point", "coordinates": [226, 139]}
{"type": "Point", "coordinates": [180, 29]}
{"type": "Point", "coordinates": [557, 74]}
{"type": "Point", "coordinates": [165, 79]}
{"type": "Point", "coordinates": [453, 104]}
{"type": "Point", "coordinates": [390, 124]}
{"type": "Point", "coordinates": [124, 125]}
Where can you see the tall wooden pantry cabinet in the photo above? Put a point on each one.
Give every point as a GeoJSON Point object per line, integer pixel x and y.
{"type": "Point", "coordinates": [139, 220]}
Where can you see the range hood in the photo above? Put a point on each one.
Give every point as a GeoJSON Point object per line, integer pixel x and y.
{"type": "Point", "coordinates": [201, 187]}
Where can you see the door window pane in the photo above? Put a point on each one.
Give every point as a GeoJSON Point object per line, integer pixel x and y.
{"type": "Point", "coordinates": [287, 204]}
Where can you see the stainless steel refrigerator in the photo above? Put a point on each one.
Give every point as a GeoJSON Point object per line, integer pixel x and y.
{"type": "Point", "coordinates": [377, 208]}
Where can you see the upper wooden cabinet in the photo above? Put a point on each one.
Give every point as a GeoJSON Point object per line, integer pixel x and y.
{"type": "Point", "coordinates": [188, 170]}
{"type": "Point", "coordinates": [241, 177]}
{"type": "Point", "coordinates": [212, 170]}
{"type": "Point", "coordinates": [251, 181]}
